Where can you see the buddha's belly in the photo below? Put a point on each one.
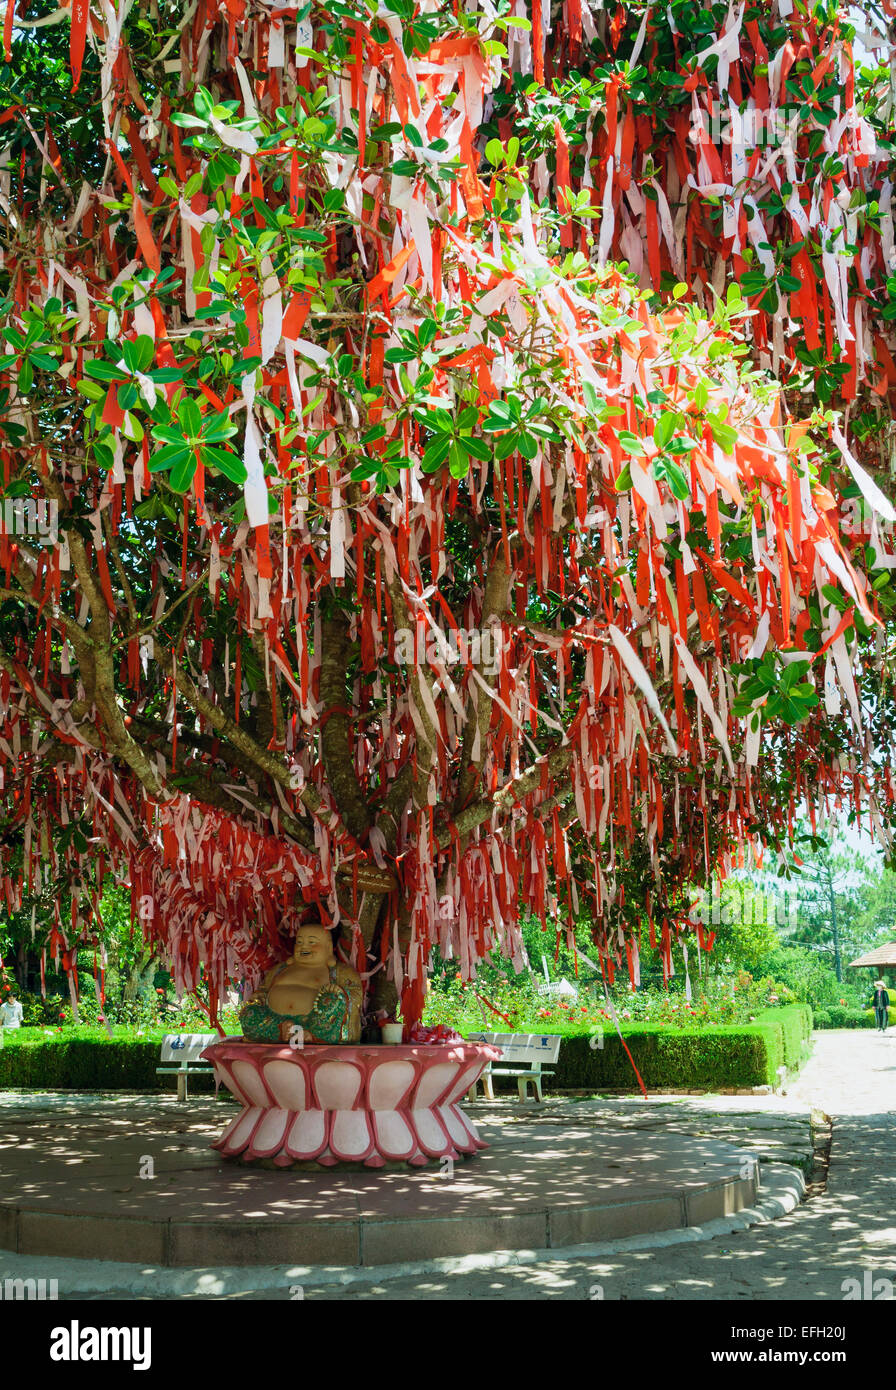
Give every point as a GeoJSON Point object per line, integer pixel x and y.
{"type": "Point", "coordinates": [289, 998]}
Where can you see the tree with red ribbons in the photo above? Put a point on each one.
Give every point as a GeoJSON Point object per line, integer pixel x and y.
{"type": "Point", "coordinates": [439, 467]}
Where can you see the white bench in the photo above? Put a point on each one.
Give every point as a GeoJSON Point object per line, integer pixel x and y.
{"type": "Point", "coordinates": [528, 1050]}
{"type": "Point", "coordinates": [184, 1048]}
{"type": "Point", "coordinates": [562, 989]}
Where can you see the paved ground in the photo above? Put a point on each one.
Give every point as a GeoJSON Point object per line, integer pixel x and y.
{"type": "Point", "coordinates": [846, 1234]}
{"type": "Point", "coordinates": [118, 1178]}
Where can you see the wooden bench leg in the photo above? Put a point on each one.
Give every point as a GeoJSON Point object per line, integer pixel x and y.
{"type": "Point", "coordinates": [488, 1089]}
{"type": "Point", "coordinates": [181, 1085]}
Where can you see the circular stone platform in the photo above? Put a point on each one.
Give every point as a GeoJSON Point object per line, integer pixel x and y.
{"type": "Point", "coordinates": [133, 1178]}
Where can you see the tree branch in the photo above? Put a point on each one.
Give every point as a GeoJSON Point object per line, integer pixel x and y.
{"type": "Point", "coordinates": [495, 601]}
{"type": "Point", "coordinates": [336, 727]}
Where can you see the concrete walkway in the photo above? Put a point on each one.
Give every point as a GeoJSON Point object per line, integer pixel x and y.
{"type": "Point", "coordinates": [116, 1178]}
{"type": "Point", "coordinates": [846, 1234]}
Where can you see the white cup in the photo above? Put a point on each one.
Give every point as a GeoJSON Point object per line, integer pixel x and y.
{"type": "Point", "coordinates": [392, 1032]}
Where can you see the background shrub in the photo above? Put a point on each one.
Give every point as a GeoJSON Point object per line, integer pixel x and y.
{"type": "Point", "coordinates": [86, 1060]}
{"type": "Point", "coordinates": [707, 1058]}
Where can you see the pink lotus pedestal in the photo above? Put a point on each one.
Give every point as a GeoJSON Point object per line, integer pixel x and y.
{"type": "Point", "coordinates": [355, 1103]}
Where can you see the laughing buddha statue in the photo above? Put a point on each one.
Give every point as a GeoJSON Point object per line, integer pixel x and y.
{"type": "Point", "coordinates": [312, 991]}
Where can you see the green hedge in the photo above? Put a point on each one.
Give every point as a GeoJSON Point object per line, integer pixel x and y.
{"type": "Point", "coordinates": [795, 1023]}
{"type": "Point", "coordinates": [668, 1057]}
{"type": "Point", "coordinates": [709, 1058]}
{"type": "Point", "coordinates": [840, 1016]}
{"type": "Point", "coordinates": [87, 1064]}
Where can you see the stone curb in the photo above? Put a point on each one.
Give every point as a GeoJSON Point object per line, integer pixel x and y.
{"type": "Point", "coordinates": [782, 1191]}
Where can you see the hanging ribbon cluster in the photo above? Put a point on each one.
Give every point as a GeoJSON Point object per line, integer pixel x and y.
{"type": "Point", "coordinates": [402, 557]}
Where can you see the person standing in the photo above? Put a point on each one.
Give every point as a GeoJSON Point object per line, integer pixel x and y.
{"type": "Point", "coordinates": [11, 1013]}
{"type": "Point", "coordinates": [881, 1005]}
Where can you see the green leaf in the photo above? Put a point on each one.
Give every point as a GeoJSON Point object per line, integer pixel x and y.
{"type": "Point", "coordinates": [91, 389]}
{"type": "Point", "coordinates": [168, 457]}
{"type": "Point", "coordinates": [500, 416]}
{"type": "Point", "coordinates": [835, 597]}
{"type": "Point", "coordinates": [631, 443]}
{"type": "Point", "coordinates": [182, 473]}
{"type": "Point", "coordinates": [664, 429]}
{"type": "Point", "coordinates": [458, 460]}
{"type": "Point", "coordinates": [385, 132]}
{"type": "Point", "coordinates": [231, 465]}
{"type": "Point", "coordinates": [508, 444]}
{"type": "Point", "coordinates": [127, 395]}
{"type": "Point", "coordinates": [527, 444]}
{"type": "Point", "coordinates": [169, 434]}
{"type": "Point", "coordinates": [362, 471]}
{"type": "Point", "coordinates": [203, 103]}
{"type": "Point", "coordinates": [724, 435]}
{"type": "Point", "coordinates": [217, 428]}
{"type": "Point", "coordinates": [104, 371]}
{"type": "Point", "coordinates": [440, 422]}
{"type": "Point", "coordinates": [478, 448]}
{"type": "Point", "coordinates": [187, 122]}
{"type": "Point", "coordinates": [146, 351]}
{"type": "Point", "coordinates": [132, 428]}
{"type": "Point", "coordinates": [214, 310]}
{"type": "Point", "coordinates": [190, 417]}
{"type": "Point", "coordinates": [674, 476]}
{"type": "Point", "coordinates": [44, 361]}
{"type": "Point", "coordinates": [436, 453]}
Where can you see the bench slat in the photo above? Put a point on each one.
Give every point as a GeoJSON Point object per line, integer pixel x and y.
{"type": "Point", "coordinates": [522, 1047]}
{"type": "Point", "coordinates": [185, 1047]}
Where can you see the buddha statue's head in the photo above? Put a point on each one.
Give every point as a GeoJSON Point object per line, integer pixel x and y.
{"type": "Point", "coordinates": [313, 946]}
